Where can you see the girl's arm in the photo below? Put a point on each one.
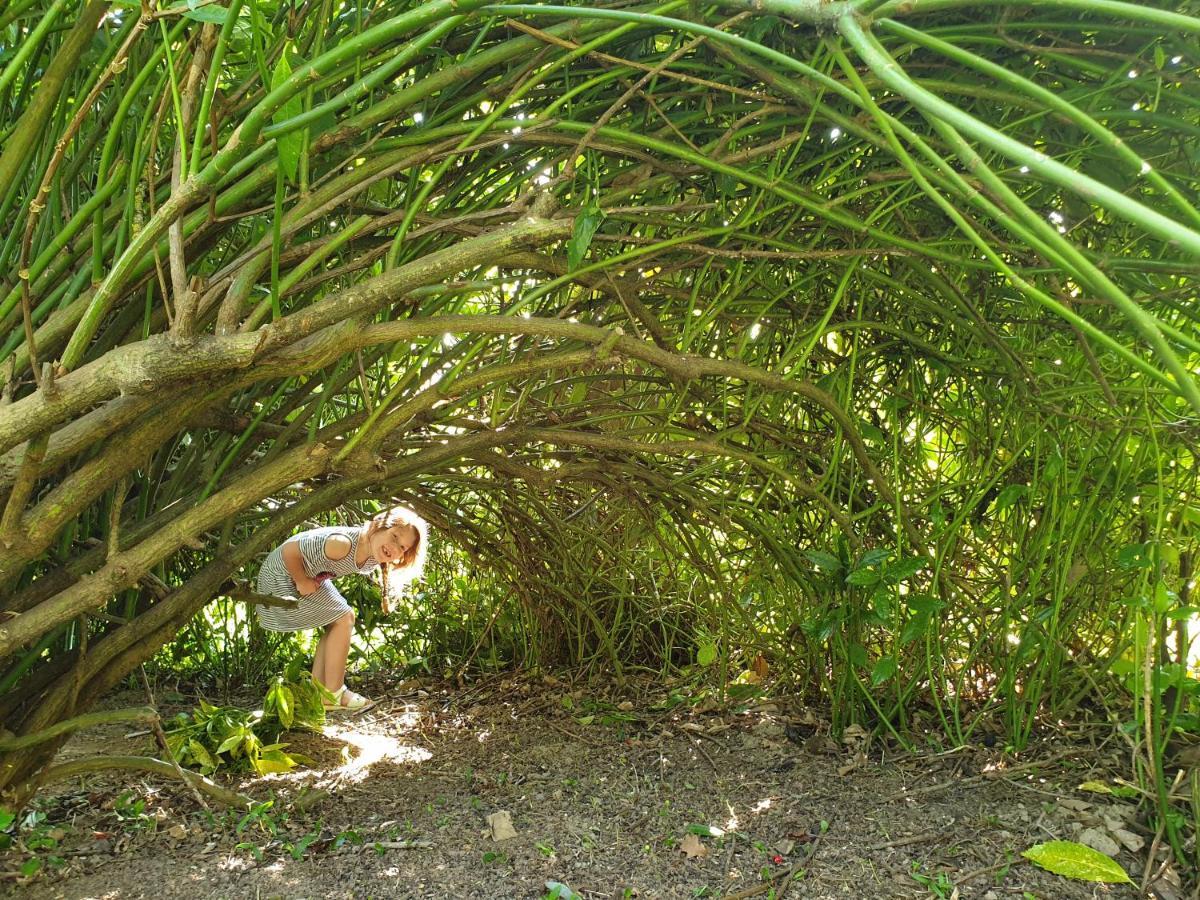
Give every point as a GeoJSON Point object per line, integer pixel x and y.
{"type": "Point", "coordinates": [294, 564]}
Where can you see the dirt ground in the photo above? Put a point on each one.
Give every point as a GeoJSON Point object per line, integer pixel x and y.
{"type": "Point", "coordinates": [633, 802]}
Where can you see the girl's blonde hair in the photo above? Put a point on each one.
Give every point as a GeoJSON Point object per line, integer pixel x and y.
{"type": "Point", "coordinates": [394, 577]}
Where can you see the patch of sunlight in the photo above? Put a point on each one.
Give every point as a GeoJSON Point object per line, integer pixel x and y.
{"type": "Point", "coordinates": [372, 748]}
{"type": "Point", "coordinates": [762, 805]}
{"type": "Point", "coordinates": [234, 863]}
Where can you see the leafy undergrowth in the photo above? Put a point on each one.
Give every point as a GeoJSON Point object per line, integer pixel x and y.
{"type": "Point", "coordinates": [215, 737]}
{"type": "Point", "coordinates": [533, 787]}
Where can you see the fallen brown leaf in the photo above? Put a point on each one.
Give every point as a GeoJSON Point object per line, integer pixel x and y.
{"type": "Point", "coordinates": [692, 847]}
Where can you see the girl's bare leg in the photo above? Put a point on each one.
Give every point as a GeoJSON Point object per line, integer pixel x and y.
{"type": "Point", "coordinates": [336, 643]}
{"type": "Point", "coordinates": [318, 669]}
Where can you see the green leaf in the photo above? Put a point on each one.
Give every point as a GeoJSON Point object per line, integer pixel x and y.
{"type": "Point", "coordinates": [6, 819]}
{"type": "Point", "coordinates": [870, 432]}
{"type": "Point", "coordinates": [923, 603]}
{"type": "Point", "coordinates": [1134, 556]}
{"type": "Point", "coordinates": [290, 145]}
{"type": "Point", "coordinates": [706, 830]}
{"type": "Point", "coordinates": [858, 655]}
{"type": "Point", "coordinates": [884, 669]}
{"type": "Point", "coordinates": [706, 653]}
{"type": "Point", "coordinates": [905, 568]}
{"type": "Point", "coordinates": [872, 557]}
{"type": "Point", "coordinates": [586, 223]}
{"type": "Point", "coordinates": [1164, 599]}
{"type": "Point", "coordinates": [881, 604]}
{"type": "Point", "coordinates": [1076, 861]}
{"type": "Point", "coordinates": [286, 705]}
{"type": "Point", "coordinates": [1009, 496]}
{"type": "Point", "coordinates": [230, 742]}
{"type": "Point", "coordinates": [273, 761]}
{"type": "Point", "coordinates": [1123, 667]}
{"type": "Point", "coordinates": [201, 755]}
{"type": "Point", "coordinates": [211, 13]}
{"type": "Point", "coordinates": [822, 560]}
{"type": "Point", "coordinates": [914, 628]}
{"type": "Point", "coordinates": [863, 577]}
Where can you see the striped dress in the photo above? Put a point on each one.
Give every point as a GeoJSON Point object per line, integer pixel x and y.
{"type": "Point", "coordinates": [325, 604]}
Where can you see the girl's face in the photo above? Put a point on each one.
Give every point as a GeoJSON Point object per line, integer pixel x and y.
{"type": "Point", "coordinates": [391, 545]}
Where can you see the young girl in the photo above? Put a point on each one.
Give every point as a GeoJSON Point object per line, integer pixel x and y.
{"type": "Point", "coordinates": [303, 568]}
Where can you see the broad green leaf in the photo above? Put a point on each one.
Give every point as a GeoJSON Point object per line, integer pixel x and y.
{"type": "Point", "coordinates": [6, 819]}
{"type": "Point", "coordinates": [201, 755]}
{"type": "Point", "coordinates": [924, 603]}
{"type": "Point", "coordinates": [870, 432]}
{"type": "Point", "coordinates": [586, 223]}
{"type": "Point", "coordinates": [872, 557]}
{"type": "Point", "coordinates": [211, 13]}
{"type": "Point", "coordinates": [881, 604]}
{"type": "Point", "coordinates": [822, 560]}
{"type": "Point", "coordinates": [1009, 496]}
{"type": "Point", "coordinates": [706, 653]}
{"type": "Point", "coordinates": [857, 654]}
{"type": "Point", "coordinates": [1134, 556]}
{"type": "Point", "coordinates": [286, 706]}
{"type": "Point", "coordinates": [863, 577]}
{"type": "Point", "coordinates": [905, 568]}
{"type": "Point", "coordinates": [230, 742]}
{"type": "Point", "coordinates": [706, 830]}
{"type": "Point", "coordinates": [1123, 667]}
{"type": "Point", "coordinates": [884, 669]}
{"type": "Point", "coordinates": [1076, 861]}
{"type": "Point", "coordinates": [914, 628]}
{"type": "Point", "coordinates": [273, 761]}
{"type": "Point", "coordinates": [1164, 598]}
{"type": "Point", "coordinates": [290, 145]}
